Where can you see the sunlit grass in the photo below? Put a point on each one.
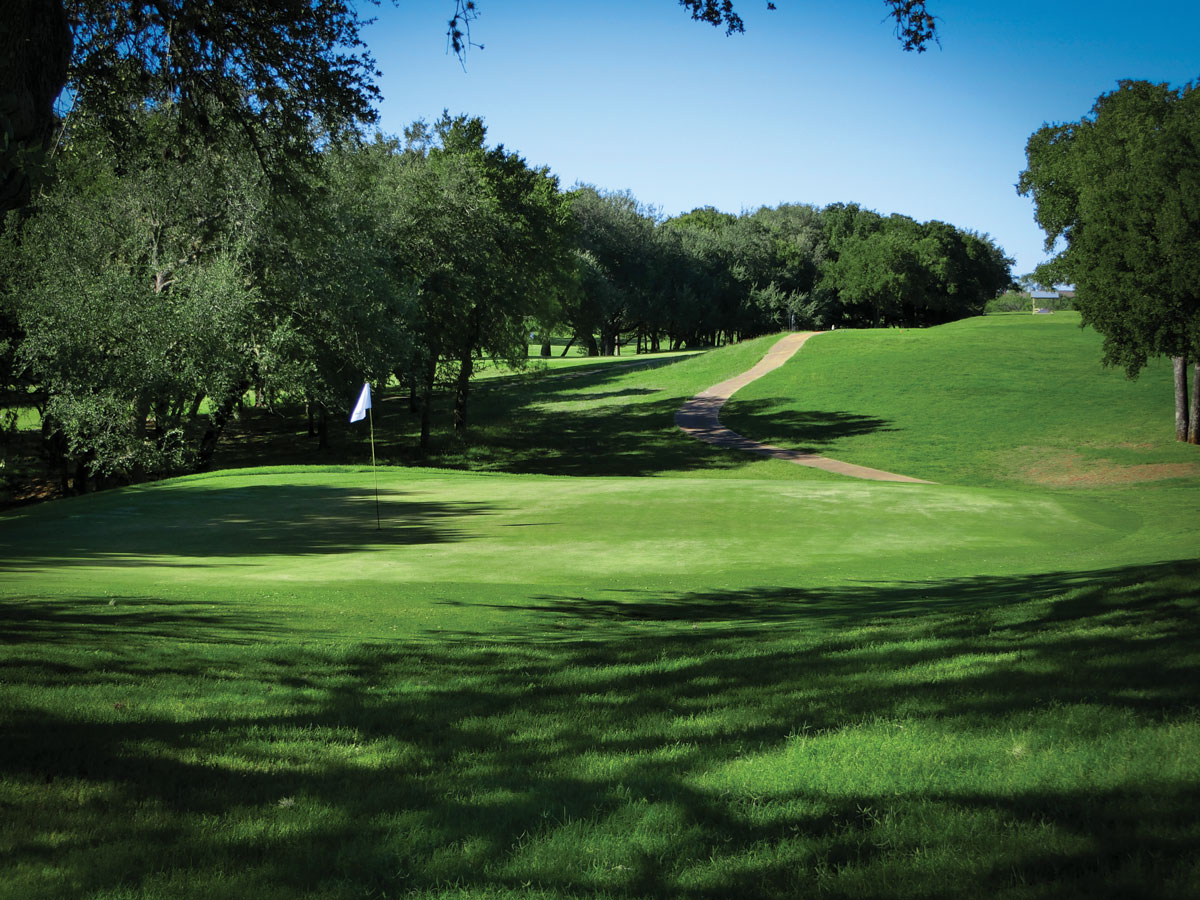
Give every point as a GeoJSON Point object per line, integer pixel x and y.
{"type": "Point", "coordinates": [728, 680]}
{"type": "Point", "coordinates": [998, 400]}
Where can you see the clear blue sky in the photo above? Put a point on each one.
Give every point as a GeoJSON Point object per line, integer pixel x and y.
{"type": "Point", "coordinates": [815, 103]}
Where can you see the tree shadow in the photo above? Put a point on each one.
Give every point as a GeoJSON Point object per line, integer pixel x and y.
{"type": "Point", "coordinates": [584, 767]}
{"type": "Point", "coordinates": [808, 431]}
{"type": "Point", "coordinates": [568, 397]}
{"type": "Point", "coordinates": [638, 439]}
{"type": "Point", "coordinates": [834, 605]}
{"type": "Point", "coordinates": [37, 619]}
{"type": "Point", "coordinates": [169, 527]}
{"type": "Point", "coordinates": [531, 424]}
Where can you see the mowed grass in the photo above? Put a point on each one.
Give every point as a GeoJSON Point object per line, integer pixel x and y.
{"type": "Point", "coordinates": [998, 400]}
{"type": "Point", "coordinates": [751, 685]}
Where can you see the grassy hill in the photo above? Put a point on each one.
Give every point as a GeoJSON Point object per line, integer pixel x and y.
{"type": "Point", "coordinates": [736, 678]}
{"type": "Point", "coordinates": [998, 400]}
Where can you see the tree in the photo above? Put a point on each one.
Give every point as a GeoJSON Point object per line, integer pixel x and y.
{"type": "Point", "coordinates": [615, 237]}
{"type": "Point", "coordinates": [897, 271]}
{"type": "Point", "coordinates": [915, 26]}
{"type": "Point", "coordinates": [129, 288]}
{"type": "Point", "coordinates": [271, 66]}
{"type": "Point", "coordinates": [271, 69]}
{"type": "Point", "coordinates": [1121, 189]}
{"type": "Point", "coordinates": [336, 307]}
{"type": "Point", "coordinates": [486, 241]}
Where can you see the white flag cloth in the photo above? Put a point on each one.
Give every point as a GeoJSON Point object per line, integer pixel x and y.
{"type": "Point", "coordinates": [364, 403]}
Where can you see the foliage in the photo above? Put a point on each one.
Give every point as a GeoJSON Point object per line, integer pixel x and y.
{"type": "Point", "coordinates": [1117, 188]}
{"type": "Point", "coordinates": [486, 240]}
{"type": "Point", "coordinates": [155, 285]}
{"type": "Point", "coordinates": [1021, 301]}
{"type": "Point", "coordinates": [915, 26]}
{"type": "Point", "coordinates": [131, 295]}
{"type": "Point", "coordinates": [615, 259]}
{"type": "Point", "coordinates": [896, 271]}
{"type": "Point", "coordinates": [337, 309]}
{"type": "Point", "coordinates": [272, 71]}
{"type": "Point", "coordinates": [1121, 188]}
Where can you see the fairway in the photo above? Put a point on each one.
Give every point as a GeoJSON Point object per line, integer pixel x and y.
{"type": "Point", "coordinates": [735, 678]}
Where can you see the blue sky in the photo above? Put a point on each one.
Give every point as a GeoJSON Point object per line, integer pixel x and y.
{"type": "Point", "coordinates": [815, 103]}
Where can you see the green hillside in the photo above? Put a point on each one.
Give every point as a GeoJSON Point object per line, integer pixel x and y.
{"type": "Point", "coordinates": [997, 400]}
{"type": "Point", "coordinates": [739, 677]}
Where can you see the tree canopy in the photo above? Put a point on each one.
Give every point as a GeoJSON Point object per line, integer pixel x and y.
{"type": "Point", "coordinates": [275, 69]}
{"type": "Point", "coordinates": [1121, 189]}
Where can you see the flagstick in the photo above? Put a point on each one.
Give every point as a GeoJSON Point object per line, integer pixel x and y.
{"type": "Point", "coordinates": [371, 420]}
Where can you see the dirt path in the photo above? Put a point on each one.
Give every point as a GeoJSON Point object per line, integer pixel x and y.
{"type": "Point", "coordinates": [700, 417]}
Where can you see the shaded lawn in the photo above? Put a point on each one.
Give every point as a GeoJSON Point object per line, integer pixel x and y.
{"type": "Point", "coordinates": [1036, 737]}
{"type": "Point", "coordinates": [536, 686]}
{"type": "Point", "coordinates": [615, 418]}
{"type": "Point", "coordinates": [233, 686]}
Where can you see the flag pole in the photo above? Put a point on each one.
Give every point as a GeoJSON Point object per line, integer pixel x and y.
{"type": "Point", "coordinates": [374, 472]}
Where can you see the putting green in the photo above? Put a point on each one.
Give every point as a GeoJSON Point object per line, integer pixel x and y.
{"type": "Point", "coordinates": [243, 533]}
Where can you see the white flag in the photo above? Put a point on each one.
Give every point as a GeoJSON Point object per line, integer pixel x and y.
{"type": "Point", "coordinates": [364, 403]}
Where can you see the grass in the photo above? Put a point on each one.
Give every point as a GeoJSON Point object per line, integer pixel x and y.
{"type": "Point", "coordinates": [539, 365]}
{"type": "Point", "coordinates": [611, 418]}
{"type": "Point", "coordinates": [735, 678]}
{"type": "Point", "coordinates": [1000, 400]}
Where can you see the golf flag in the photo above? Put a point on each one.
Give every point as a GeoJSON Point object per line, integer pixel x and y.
{"type": "Point", "coordinates": [364, 403]}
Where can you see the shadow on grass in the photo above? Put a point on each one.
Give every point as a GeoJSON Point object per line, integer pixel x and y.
{"type": "Point", "coordinates": [170, 527]}
{"type": "Point", "coordinates": [835, 605]}
{"type": "Point", "coordinates": [635, 440]}
{"type": "Point", "coordinates": [586, 767]}
{"type": "Point", "coordinates": [44, 621]}
{"type": "Point", "coordinates": [531, 424]}
{"type": "Point", "coordinates": [809, 431]}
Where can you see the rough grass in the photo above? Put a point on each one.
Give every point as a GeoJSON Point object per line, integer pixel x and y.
{"type": "Point", "coordinates": [727, 680]}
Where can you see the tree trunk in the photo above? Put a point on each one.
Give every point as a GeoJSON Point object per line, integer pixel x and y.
{"type": "Point", "coordinates": [322, 428]}
{"type": "Point", "coordinates": [1193, 434]}
{"type": "Point", "coordinates": [461, 389]}
{"type": "Point", "coordinates": [35, 51]}
{"type": "Point", "coordinates": [81, 476]}
{"type": "Point", "coordinates": [589, 341]}
{"type": "Point", "coordinates": [427, 404]}
{"type": "Point", "coordinates": [1181, 397]}
{"type": "Point", "coordinates": [547, 350]}
{"type": "Point", "coordinates": [216, 426]}
{"type": "Point", "coordinates": [568, 347]}
{"type": "Point", "coordinates": [54, 445]}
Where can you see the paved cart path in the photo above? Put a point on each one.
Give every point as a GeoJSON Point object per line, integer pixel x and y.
{"type": "Point", "coordinates": [700, 417]}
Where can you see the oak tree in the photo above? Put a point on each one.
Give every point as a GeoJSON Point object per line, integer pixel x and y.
{"type": "Point", "coordinates": [1121, 189]}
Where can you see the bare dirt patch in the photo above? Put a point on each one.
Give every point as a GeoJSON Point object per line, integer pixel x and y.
{"type": "Point", "coordinates": [1069, 468]}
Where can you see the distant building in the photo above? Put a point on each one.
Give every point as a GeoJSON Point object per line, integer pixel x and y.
{"type": "Point", "coordinates": [1046, 295]}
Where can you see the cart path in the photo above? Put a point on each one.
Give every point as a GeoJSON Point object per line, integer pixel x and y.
{"type": "Point", "coordinates": [700, 418]}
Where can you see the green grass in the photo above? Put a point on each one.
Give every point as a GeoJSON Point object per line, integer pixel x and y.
{"type": "Point", "coordinates": [999, 400]}
{"type": "Point", "coordinates": [611, 418]}
{"type": "Point", "coordinates": [736, 678]}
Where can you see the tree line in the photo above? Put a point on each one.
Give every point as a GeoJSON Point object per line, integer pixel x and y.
{"type": "Point", "coordinates": [158, 275]}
